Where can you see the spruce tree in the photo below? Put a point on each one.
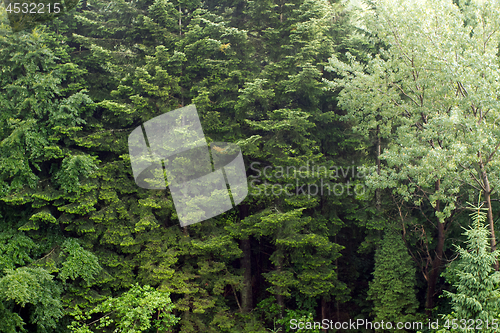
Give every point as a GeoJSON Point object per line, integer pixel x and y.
{"type": "Point", "coordinates": [477, 296]}
{"type": "Point", "coordinates": [393, 287]}
{"type": "Point", "coordinates": [65, 171]}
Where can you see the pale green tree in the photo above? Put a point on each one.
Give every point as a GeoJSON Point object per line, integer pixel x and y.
{"type": "Point", "coordinates": [137, 310]}
{"type": "Point", "coordinates": [432, 93]}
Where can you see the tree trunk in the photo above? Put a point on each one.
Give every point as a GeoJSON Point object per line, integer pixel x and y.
{"type": "Point", "coordinates": [377, 191]}
{"type": "Point", "coordinates": [279, 297]}
{"type": "Point", "coordinates": [246, 264]}
{"type": "Point", "coordinates": [281, 11]}
{"type": "Point", "coordinates": [281, 303]}
{"type": "Point", "coordinates": [180, 21]}
{"type": "Point", "coordinates": [323, 312]}
{"type": "Point", "coordinates": [337, 309]}
{"type": "Point", "coordinates": [436, 263]}
{"type": "Point", "coordinates": [435, 270]}
{"type": "Point", "coordinates": [487, 196]}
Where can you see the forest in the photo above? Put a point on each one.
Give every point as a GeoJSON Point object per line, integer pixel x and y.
{"type": "Point", "coordinates": [370, 136]}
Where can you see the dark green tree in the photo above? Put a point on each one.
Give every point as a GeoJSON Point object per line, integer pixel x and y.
{"type": "Point", "coordinates": [393, 287]}
{"type": "Point", "coordinates": [72, 97]}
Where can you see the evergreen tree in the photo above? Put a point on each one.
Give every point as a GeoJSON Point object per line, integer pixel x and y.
{"type": "Point", "coordinates": [475, 281]}
{"type": "Point", "coordinates": [393, 287]}
{"type": "Point", "coordinates": [42, 177]}
{"type": "Point", "coordinates": [71, 97]}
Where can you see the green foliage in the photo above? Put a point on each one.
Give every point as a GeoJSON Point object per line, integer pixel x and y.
{"type": "Point", "coordinates": [11, 321]}
{"type": "Point", "coordinates": [132, 312]}
{"type": "Point", "coordinates": [73, 170]}
{"type": "Point", "coordinates": [474, 279]}
{"type": "Point", "coordinates": [43, 106]}
{"type": "Point", "coordinates": [78, 263]}
{"type": "Point", "coordinates": [15, 249]}
{"type": "Point", "coordinates": [71, 94]}
{"type": "Point", "coordinates": [271, 311]}
{"type": "Point", "coordinates": [426, 114]}
{"type": "Point", "coordinates": [36, 287]}
{"type": "Point", "coordinates": [393, 287]}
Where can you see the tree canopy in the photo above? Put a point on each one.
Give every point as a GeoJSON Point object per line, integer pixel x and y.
{"type": "Point", "coordinates": [365, 130]}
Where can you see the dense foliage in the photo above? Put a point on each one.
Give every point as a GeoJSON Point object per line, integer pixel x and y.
{"type": "Point", "coordinates": [364, 130]}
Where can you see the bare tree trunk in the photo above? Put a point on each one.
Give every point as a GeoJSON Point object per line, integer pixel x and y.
{"type": "Point", "coordinates": [279, 297]}
{"type": "Point", "coordinates": [337, 309]}
{"type": "Point", "coordinates": [436, 263]}
{"type": "Point", "coordinates": [487, 196]}
{"type": "Point", "coordinates": [377, 191]}
{"type": "Point", "coordinates": [180, 21]}
{"type": "Point", "coordinates": [435, 270]}
{"type": "Point", "coordinates": [281, 11]}
{"type": "Point", "coordinates": [323, 312]}
{"type": "Point", "coordinates": [246, 264]}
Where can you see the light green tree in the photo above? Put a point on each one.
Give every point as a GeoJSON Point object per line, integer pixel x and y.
{"type": "Point", "coordinates": [137, 310]}
{"type": "Point", "coordinates": [431, 92]}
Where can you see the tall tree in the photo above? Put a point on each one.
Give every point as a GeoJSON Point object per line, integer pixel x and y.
{"type": "Point", "coordinates": [430, 92]}
{"type": "Point", "coordinates": [42, 177]}
{"type": "Point", "coordinates": [393, 287]}
{"type": "Point", "coordinates": [255, 84]}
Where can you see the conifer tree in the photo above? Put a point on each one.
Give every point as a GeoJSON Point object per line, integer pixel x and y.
{"type": "Point", "coordinates": [67, 171]}
{"type": "Point", "coordinates": [393, 287]}
{"type": "Point", "coordinates": [475, 281]}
